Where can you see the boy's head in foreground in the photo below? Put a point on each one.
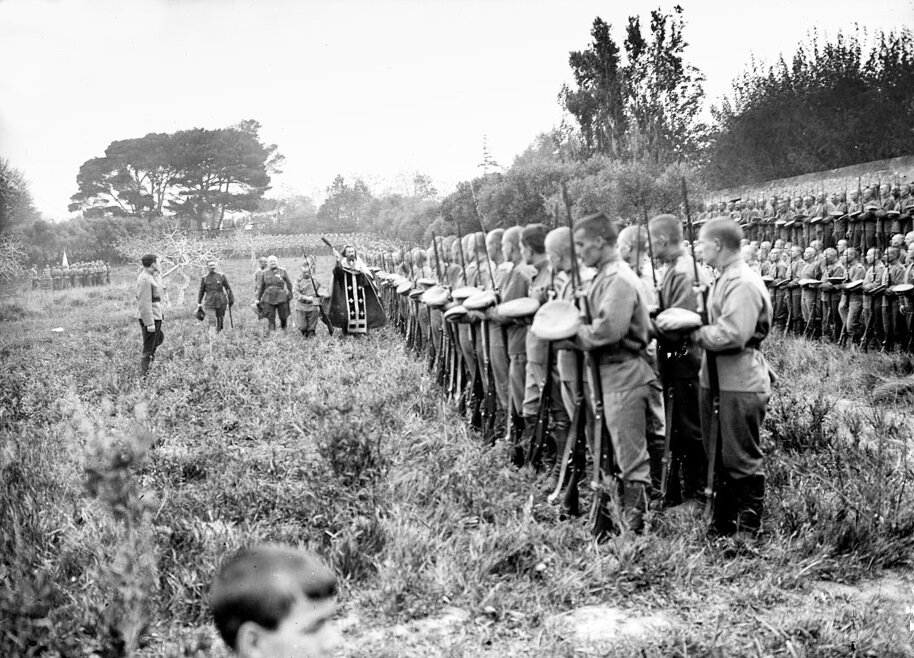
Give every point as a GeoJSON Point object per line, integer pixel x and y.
{"type": "Point", "coordinates": [275, 602]}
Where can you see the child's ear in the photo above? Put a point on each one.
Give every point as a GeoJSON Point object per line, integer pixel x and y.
{"type": "Point", "coordinates": [250, 640]}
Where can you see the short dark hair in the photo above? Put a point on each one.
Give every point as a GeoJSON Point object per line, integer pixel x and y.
{"type": "Point", "coordinates": [262, 583]}
{"type": "Point", "coordinates": [726, 230]}
{"type": "Point", "coordinates": [598, 225]}
{"type": "Point", "coordinates": [534, 238]}
{"type": "Point", "coordinates": [148, 259]}
{"type": "Point", "coordinates": [668, 226]}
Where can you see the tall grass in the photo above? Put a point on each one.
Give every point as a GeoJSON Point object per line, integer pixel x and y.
{"type": "Point", "coordinates": [118, 499]}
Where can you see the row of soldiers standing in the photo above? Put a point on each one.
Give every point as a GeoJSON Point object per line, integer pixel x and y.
{"type": "Point", "coordinates": [865, 217]}
{"type": "Point", "coordinates": [573, 363]}
{"type": "Point", "coordinates": [841, 293]}
{"type": "Point", "coordinates": [75, 275]}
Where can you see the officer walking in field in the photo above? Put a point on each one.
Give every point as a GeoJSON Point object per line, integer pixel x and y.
{"type": "Point", "coordinates": [274, 294]}
{"type": "Point", "coordinates": [149, 312]}
{"type": "Point", "coordinates": [215, 295]}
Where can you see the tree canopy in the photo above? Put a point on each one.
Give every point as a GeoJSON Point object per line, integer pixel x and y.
{"type": "Point", "coordinates": [835, 104]}
{"type": "Point", "coordinates": [198, 175]}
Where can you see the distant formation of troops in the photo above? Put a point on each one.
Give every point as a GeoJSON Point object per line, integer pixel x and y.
{"type": "Point", "coordinates": [839, 267]}
{"type": "Point", "coordinates": [602, 355]}
{"type": "Point", "coordinates": [75, 275]}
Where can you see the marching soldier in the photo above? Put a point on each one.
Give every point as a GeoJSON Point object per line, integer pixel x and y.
{"type": "Point", "coordinates": [274, 294]}
{"type": "Point", "coordinates": [215, 295]}
{"type": "Point", "coordinates": [149, 313]}
{"type": "Point", "coordinates": [307, 301]}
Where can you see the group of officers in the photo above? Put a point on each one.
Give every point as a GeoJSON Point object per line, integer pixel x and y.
{"type": "Point", "coordinates": [604, 352]}
{"type": "Point", "coordinates": [75, 275]}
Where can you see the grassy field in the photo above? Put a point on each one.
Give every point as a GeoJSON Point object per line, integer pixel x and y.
{"type": "Point", "coordinates": [119, 499]}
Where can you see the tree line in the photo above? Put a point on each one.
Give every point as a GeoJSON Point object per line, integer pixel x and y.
{"type": "Point", "coordinates": [632, 130]}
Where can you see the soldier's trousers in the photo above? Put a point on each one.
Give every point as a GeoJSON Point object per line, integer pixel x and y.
{"type": "Point", "coordinates": [498, 356]}
{"type": "Point", "coordinates": [741, 418]}
{"type": "Point", "coordinates": [626, 415]}
{"type": "Point", "coordinates": [270, 311]}
{"type": "Point", "coordinates": [685, 435]}
{"type": "Point", "coordinates": [306, 319]}
{"type": "Point", "coordinates": [809, 305]}
{"type": "Point", "coordinates": [437, 321]}
{"type": "Point", "coordinates": [829, 314]}
{"type": "Point", "coordinates": [780, 300]}
{"type": "Point", "coordinates": [151, 340]}
{"type": "Point", "coordinates": [216, 316]}
{"type": "Point", "coordinates": [851, 311]}
{"type": "Point", "coordinates": [517, 379]}
{"type": "Point", "coordinates": [872, 318]}
{"type": "Point", "coordinates": [796, 308]}
{"type": "Point", "coordinates": [894, 323]}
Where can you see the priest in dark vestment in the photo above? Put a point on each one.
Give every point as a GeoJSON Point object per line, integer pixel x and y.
{"type": "Point", "coordinates": [354, 304]}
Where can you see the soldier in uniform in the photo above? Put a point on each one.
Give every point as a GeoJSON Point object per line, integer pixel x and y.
{"type": "Point", "coordinates": [809, 299]}
{"type": "Point", "coordinates": [498, 339]}
{"type": "Point", "coordinates": [149, 309]}
{"type": "Point", "coordinates": [679, 362]}
{"type": "Point", "coordinates": [893, 324]}
{"type": "Point", "coordinates": [215, 295]}
{"type": "Point", "coordinates": [307, 301]}
{"type": "Point", "coordinates": [516, 285]}
{"type": "Point", "coordinates": [274, 294]}
{"type": "Point", "coordinates": [35, 277]}
{"type": "Point", "coordinates": [851, 305]}
{"type": "Point", "coordinates": [872, 305]}
{"type": "Point", "coordinates": [617, 338]}
{"type": "Point", "coordinates": [794, 292]}
{"type": "Point", "coordinates": [739, 313]}
{"type": "Point", "coordinates": [828, 293]}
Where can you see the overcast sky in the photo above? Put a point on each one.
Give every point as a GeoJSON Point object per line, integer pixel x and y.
{"type": "Point", "coordinates": [376, 88]}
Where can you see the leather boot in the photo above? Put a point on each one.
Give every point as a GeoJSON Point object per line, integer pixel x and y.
{"type": "Point", "coordinates": [144, 364]}
{"type": "Point", "coordinates": [552, 457]}
{"type": "Point", "coordinates": [694, 471]}
{"type": "Point", "coordinates": [655, 453]}
{"type": "Point", "coordinates": [634, 504]}
{"type": "Point", "coordinates": [522, 447]}
{"type": "Point", "coordinates": [519, 454]}
{"type": "Point", "coordinates": [750, 503]}
{"type": "Point", "coordinates": [725, 506]}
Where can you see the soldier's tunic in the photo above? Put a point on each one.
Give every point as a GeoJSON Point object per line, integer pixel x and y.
{"type": "Point", "coordinates": [617, 338]}
{"type": "Point", "coordinates": [215, 295]}
{"type": "Point", "coordinates": [274, 295]}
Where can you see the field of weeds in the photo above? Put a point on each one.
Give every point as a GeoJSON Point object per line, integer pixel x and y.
{"type": "Point", "coordinates": [119, 499]}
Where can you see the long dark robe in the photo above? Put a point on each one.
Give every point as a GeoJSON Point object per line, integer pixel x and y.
{"type": "Point", "coordinates": [354, 304]}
